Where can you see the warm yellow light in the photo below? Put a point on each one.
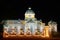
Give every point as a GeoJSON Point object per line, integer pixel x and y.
{"type": "Point", "coordinates": [32, 16]}
{"type": "Point", "coordinates": [6, 36]}
{"type": "Point", "coordinates": [29, 15]}
{"type": "Point", "coordinates": [46, 31]}
{"type": "Point", "coordinates": [26, 16]}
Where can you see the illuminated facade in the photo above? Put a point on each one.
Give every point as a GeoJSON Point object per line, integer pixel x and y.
{"type": "Point", "coordinates": [29, 26]}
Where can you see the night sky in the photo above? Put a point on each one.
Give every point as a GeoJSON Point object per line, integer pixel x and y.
{"type": "Point", "coordinates": [15, 9]}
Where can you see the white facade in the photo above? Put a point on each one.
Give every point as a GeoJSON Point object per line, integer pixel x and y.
{"type": "Point", "coordinates": [30, 24]}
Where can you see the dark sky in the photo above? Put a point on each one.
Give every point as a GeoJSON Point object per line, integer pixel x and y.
{"type": "Point", "coordinates": [15, 9]}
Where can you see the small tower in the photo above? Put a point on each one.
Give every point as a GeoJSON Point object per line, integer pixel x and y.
{"type": "Point", "coordinates": [54, 25]}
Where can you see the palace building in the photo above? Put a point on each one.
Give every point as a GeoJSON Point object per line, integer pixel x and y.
{"type": "Point", "coordinates": [29, 26]}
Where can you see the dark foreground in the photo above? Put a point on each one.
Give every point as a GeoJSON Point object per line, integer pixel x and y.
{"type": "Point", "coordinates": [29, 38]}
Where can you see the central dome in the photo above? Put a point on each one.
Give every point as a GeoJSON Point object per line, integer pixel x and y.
{"type": "Point", "coordinates": [29, 11]}
{"type": "Point", "coordinates": [29, 14]}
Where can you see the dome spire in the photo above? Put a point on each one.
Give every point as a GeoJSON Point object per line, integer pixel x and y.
{"type": "Point", "coordinates": [29, 11]}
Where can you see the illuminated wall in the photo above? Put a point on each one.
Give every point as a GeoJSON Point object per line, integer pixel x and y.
{"type": "Point", "coordinates": [30, 24]}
